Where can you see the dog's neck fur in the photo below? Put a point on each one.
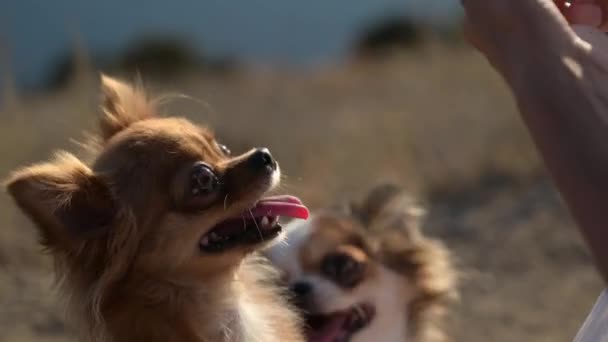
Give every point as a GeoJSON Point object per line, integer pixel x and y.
{"type": "Point", "coordinates": [142, 308]}
{"type": "Point", "coordinates": [147, 309]}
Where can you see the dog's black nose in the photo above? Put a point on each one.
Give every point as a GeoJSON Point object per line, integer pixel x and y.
{"type": "Point", "coordinates": [301, 288]}
{"type": "Point", "coordinates": [262, 159]}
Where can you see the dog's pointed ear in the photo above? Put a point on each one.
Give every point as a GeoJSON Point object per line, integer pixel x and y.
{"type": "Point", "coordinates": [66, 201]}
{"type": "Point", "coordinates": [342, 208]}
{"type": "Point", "coordinates": [388, 208]}
{"type": "Point", "coordinates": [375, 201]}
{"type": "Point", "coordinates": [121, 105]}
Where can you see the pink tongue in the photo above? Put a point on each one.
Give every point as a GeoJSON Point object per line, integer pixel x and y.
{"type": "Point", "coordinates": [281, 198]}
{"type": "Point", "coordinates": [329, 332]}
{"type": "Point", "coordinates": [288, 206]}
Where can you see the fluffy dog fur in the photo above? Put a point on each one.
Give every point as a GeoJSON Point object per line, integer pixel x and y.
{"type": "Point", "coordinates": [126, 240]}
{"type": "Point", "coordinates": [390, 276]}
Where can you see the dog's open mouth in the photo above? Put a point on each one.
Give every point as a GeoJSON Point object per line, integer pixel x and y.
{"type": "Point", "coordinates": [258, 224]}
{"type": "Point", "coordinates": [340, 326]}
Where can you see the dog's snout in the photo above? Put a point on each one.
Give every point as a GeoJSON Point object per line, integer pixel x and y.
{"type": "Point", "coordinates": [256, 169]}
{"type": "Point", "coordinates": [301, 289]}
{"type": "Point", "coordinates": [261, 159]}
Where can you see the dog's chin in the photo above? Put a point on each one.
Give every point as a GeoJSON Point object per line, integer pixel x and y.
{"type": "Point", "coordinates": [339, 326]}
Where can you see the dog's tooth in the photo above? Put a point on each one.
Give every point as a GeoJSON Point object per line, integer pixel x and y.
{"type": "Point", "coordinates": [265, 222]}
{"type": "Point", "coordinates": [214, 236]}
{"type": "Point", "coordinates": [205, 241]}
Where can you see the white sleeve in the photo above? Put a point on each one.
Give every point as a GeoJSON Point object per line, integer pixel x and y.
{"type": "Point", "coordinates": [595, 328]}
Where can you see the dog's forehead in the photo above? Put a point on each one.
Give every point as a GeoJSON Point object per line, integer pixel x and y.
{"type": "Point", "coordinates": [308, 242]}
{"type": "Point", "coordinates": [165, 139]}
{"type": "Point", "coordinates": [329, 231]}
{"type": "Point", "coordinates": [332, 229]}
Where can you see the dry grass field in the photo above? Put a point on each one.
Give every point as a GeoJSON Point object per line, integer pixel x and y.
{"type": "Point", "coordinates": [436, 119]}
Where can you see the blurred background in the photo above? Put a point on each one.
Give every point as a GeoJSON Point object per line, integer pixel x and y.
{"type": "Point", "coordinates": [346, 93]}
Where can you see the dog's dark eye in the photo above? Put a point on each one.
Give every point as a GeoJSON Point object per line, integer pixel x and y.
{"type": "Point", "coordinates": [343, 269]}
{"type": "Point", "coordinates": [198, 187]}
{"type": "Point", "coordinates": [225, 150]}
{"type": "Point", "coordinates": [203, 180]}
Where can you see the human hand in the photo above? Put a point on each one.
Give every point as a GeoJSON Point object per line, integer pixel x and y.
{"type": "Point", "coordinates": [559, 77]}
{"type": "Point", "coordinates": [505, 29]}
{"type": "Point", "coordinates": [515, 32]}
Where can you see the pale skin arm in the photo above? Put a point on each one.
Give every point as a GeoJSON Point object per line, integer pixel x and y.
{"type": "Point", "coordinates": [559, 77]}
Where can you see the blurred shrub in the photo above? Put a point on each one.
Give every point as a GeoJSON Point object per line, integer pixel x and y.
{"type": "Point", "coordinates": [62, 72]}
{"type": "Point", "coordinates": [159, 56]}
{"type": "Point", "coordinates": [451, 35]}
{"type": "Point", "coordinates": [153, 57]}
{"type": "Point", "coordinates": [388, 34]}
{"type": "Point", "coordinates": [167, 57]}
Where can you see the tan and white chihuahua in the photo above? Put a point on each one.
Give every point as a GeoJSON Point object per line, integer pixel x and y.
{"type": "Point", "coordinates": [368, 274]}
{"type": "Point", "coordinates": [153, 239]}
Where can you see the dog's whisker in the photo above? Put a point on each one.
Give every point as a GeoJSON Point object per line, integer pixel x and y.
{"type": "Point", "coordinates": [284, 243]}
{"type": "Point", "coordinates": [226, 202]}
{"type": "Point", "coordinates": [166, 99]}
{"type": "Point", "coordinates": [256, 225]}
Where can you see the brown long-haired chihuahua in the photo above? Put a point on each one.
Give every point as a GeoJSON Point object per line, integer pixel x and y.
{"type": "Point", "coordinates": [154, 238]}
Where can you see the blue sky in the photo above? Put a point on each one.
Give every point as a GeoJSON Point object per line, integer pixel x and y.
{"type": "Point", "coordinates": [263, 31]}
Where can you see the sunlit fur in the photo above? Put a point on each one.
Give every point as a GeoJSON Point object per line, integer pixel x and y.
{"type": "Point", "coordinates": [129, 264]}
{"type": "Point", "coordinates": [409, 278]}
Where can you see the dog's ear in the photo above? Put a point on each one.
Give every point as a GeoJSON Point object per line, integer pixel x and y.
{"type": "Point", "coordinates": [386, 197]}
{"type": "Point", "coordinates": [343, 208]}
{"type": "Point", "coordinates": [121, 106]}
{"type": "Point", "coordinates": [375, 201]}
{"type": "Point", "coordinates": [66, 201]}
{"type": "Point", "coordinates": [388, 208]}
